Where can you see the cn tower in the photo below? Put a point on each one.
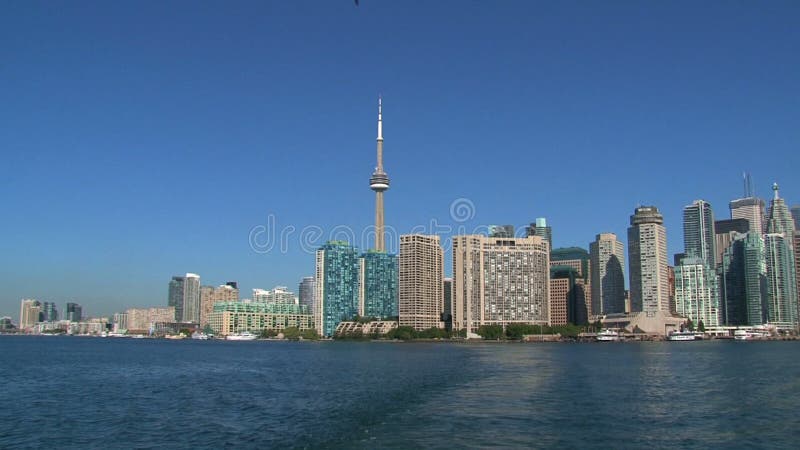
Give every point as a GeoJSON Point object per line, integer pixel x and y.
{"type": "Point", "coordinates": [379, 182]}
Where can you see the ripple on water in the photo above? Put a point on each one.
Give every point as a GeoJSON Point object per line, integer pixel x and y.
{"type": "Point", "coordinates": [72, 392]}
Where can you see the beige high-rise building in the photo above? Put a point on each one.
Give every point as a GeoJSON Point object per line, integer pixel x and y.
{"type": "Point", "coordinates": [497, 281]}
{"type": "Point", "coordinates": [647, 254]}
{"type": "Point", "coordinates": [143, 319]}
{"type": "Point", "coordinates": [752, 209]}
{"type": "Point", "coordinates": [29, 313]}
{"type": "Point", "coordinates": [210, 295]}
{"type": "Point", "coordinates": [421, 281]}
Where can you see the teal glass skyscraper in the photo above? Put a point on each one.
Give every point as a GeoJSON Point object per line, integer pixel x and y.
{"type": "Point", "coordinates": [378, 295]}
{"type": "Point", "coordinates": [698, 232]}
{"type": "Point", "coordinates": [781, 282]}
{"type": "Point", "coordinates": [337, 286]}
{"type": "Point", "coordinates": [744, 281]}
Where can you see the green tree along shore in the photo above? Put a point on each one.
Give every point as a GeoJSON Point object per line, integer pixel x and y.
{"type": "Point", "coordinates": [487, 332]}
{"type": "Point", "coordinates": [291, 333]}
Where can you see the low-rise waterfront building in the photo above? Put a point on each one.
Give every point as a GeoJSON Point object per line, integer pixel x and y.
{"type": "Point", "coordinates": [375, 327]}
{"type": "Point", "coordinates": [236, 317]}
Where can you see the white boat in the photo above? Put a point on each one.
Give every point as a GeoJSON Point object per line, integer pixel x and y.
{"type": "Point", "coordinates": [243, 336]}
{"type": "Point", "coordinates": [607, 336]}
{"type": "Point", "coordinates": [750, 335]}
{"type": "Point", "coordinates": [682, 336]}
{"type": "Point", "coordinates": [200, 336]}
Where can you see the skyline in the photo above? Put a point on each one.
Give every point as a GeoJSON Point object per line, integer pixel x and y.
{"type": "Point", "coordinates": [122, 174]}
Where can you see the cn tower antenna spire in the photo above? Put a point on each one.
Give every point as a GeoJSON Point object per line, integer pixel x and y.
{"type": "Point", "coordinates": [380, 120]}
{"type": "Point", "coordinates": [379, 182]}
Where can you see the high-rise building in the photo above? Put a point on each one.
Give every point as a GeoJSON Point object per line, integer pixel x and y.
{"type": "Point", "coordinates": [379, 182]}
{"type": "Point", "coordinates": [497, 281]}
{"type": "Point", "coordinates": [782, 302]}
{"type": "Point", "coordinates": [647, 256]}
{"type": "Point", "coordinates": [796, 217]}
{"type": "Point", "coordinates": [447, 315]}
{"type": "Point", "coordinates": [569, 302]}
{"type": "Point", "coordinates": [751, 209]}
{"type": "Point", "coordinates": [725, 232]}
{"type": "Point", "coordinates": [575, 257]}
{"type": "Point", "coordinates": [29, 313]}
{"type": "Point", "coordinates": [779, 219]}
{"type": "Point", "coordinates": [210, 295]}
{"type": "Point", "coordinates": [698, 232]}
{"type": "Point", "coordinates": [696, 289]}
{"type": "Point", "coordinates": [377, 295]}
{"type": "Point", "coordinates": [421, 281]}
{"type": "Point", "coordinates": [607, 275]}
{"type": "Point", "coordinates": [744, 281]}
{"type": "Point", "coordinates": [143, 320]}
{"type": "Point", "coordinates": [671, 283]}
{"type": "Point", "coordinates": [175, 296]}
{"type": "Point", "coordinates": [184, 296]}
{"type": "Point", "coordinates": [306, 292]}
{"type": "Point", "coordinates": [336, 282]}
{"type": "Point", "coordinates": [506, 231]}
{"type": "Point", "coordinates": [49, 312]}
{"type": "Point", "coordinates": [73, 312]}
{"type": "Point", "coordinates": [781, 282]}
{"type": "Point", "coordinates": [696, 295]}
{"type": "Point", "coordinates": [191, 298]}
{"type": "Point", "coordinates": [541, 229]}
{"type": "Point", "coordinates": [278, 294]}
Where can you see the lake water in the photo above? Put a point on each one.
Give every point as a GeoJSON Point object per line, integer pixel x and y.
{"type": "Point", "coordinates": [71, 392]}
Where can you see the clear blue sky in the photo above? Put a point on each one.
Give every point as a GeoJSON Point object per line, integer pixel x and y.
{"type": "Point", "coordinates": [144, 139]}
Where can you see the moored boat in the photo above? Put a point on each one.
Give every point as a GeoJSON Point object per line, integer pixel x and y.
{"type": "Point", "coordinates": [198, 335]}
{"type": "Point", "coordinates": [682, 336]}
{"type": "Point", "coordinates": [243, 336]}
{"type": "Point", "coordinates": [607, 336]}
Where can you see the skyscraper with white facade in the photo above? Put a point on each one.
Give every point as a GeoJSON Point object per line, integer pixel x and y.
{"type": "Point", "coordinates": [498, 281]}
{"type": "Point", "coordinates": [696, 295]}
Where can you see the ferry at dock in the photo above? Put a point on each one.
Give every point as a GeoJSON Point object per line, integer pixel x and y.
{"type": "Point", "coordinates": [683, 336]}
{"type": "Point", "coordinates": [243, 336]}
{"type": "Point", "coordinates": [607, 336]}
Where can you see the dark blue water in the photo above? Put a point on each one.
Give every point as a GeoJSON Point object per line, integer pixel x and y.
{"type": "Point", "coordinates": [70, 392]}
